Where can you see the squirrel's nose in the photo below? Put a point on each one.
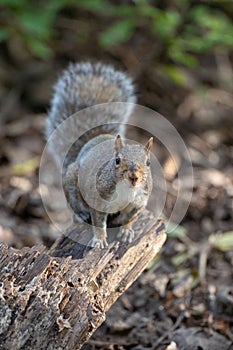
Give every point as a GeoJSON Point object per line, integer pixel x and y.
{"type": "Point", "coordinates": [133, 178]}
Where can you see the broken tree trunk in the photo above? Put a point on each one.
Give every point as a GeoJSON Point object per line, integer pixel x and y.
{"type": "Point", "coordinates": [56, 299]}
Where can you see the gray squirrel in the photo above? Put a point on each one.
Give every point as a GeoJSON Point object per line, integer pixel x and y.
{"type": "Point", "coordinates": [121, 185]}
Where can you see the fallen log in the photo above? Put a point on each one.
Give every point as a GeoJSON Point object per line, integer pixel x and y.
{"type": "Point", "coordinates": [55, 299]}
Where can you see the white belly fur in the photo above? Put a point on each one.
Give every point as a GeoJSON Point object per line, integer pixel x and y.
{"type": "Point", "coordinates": [126, 194]}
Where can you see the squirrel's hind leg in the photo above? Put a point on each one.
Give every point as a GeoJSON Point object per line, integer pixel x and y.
{"type": "Point", "coordinates": [99, 222]}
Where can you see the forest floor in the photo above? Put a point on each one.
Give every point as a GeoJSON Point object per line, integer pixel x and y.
{"type": "Point", "coordinates": [184, 299]}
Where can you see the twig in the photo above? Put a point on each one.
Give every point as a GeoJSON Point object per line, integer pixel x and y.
{"type": "Point", "coordinates": [203, 261]}
{"type": "Point", "coordinates": [166, 334]}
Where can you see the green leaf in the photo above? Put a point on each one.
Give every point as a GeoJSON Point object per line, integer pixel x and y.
{"type": "Point", "coordinates": [9, 2]}
{"type": "Point", "coordinates": [126, 11]}
{"type": "Point", "coordinates": [180, 258]}
{"type": "Point", "coordinates": [165, 23]}
{"type": "Point", "coordinates": [26, 167]}
{"type": "Point", "coordinates": [92, 5]}
{"type": "Point", "coordinates": [4, 34]}
{"type": "Point", "coordinates": [179, 55]}
{"type": "Point", "coordinates": [119, 32]}
{"type": "Point", "coordinates": [175, 231]}
{"type": "Point", "coordinates": [176, 74]}
{"type": "Point", "coordinates": [36, 24]}
{"type": "Point", "coordinates": [214, 27]}
{"type": "Point", "coordinates": [223, 242]}
{"type": "Point", "coordinates": [39, 48]}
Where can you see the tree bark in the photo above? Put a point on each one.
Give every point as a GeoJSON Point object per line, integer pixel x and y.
{"type": "Point", "coordinates": [56, 299]}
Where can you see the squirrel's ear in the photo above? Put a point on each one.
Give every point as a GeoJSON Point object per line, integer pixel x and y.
{"type": "Point", "coordinates": [118, 143]}
{"type": "Point", "coordinates": [149, 145]}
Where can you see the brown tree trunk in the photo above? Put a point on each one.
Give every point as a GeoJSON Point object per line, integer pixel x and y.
{"type": "Point", "coordinates": [56, 299]}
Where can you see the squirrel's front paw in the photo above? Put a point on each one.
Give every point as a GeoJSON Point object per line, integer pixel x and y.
{"type": "Point", "coordinates": [99, 243]}
{"type": "Point", "coordinates": [126, 235]}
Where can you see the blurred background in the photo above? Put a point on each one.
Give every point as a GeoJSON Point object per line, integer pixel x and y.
{"type": "Point", "coordinates": [180, 55]}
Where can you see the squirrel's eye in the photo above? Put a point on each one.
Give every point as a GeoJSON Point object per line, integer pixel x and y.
{"type": "Point", "coordinates": [118, 160]}
{"type": "Point", "coordinates": [148, 162]}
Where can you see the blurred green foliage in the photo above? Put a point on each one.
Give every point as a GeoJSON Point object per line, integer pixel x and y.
{"type": "Point", "coordinates": [32, 22]}
{"type": "Point", "coordinates": [223, 242]}
{"type": "Point", "coordinates": [183, 28]}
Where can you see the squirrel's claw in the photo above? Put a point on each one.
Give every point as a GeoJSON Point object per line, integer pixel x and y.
{"type": "Point", "coordinates": [126, 235]}
{"type": "Point", "coordinates": [96, 242]}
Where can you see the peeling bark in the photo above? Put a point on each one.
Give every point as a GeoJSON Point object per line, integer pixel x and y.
{"type": "Point", "coordinates": [56, 299]}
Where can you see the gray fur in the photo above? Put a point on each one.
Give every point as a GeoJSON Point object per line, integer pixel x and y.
{"type": "Point", "coordinates": [94, 184]}
{"type": "Point", "coordinates": [84, 85]}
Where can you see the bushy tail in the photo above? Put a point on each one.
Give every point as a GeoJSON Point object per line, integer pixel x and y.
{"type": "Point", "coordinates": [84, 85]}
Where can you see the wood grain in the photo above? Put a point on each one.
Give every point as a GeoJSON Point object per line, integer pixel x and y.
{"type": "Point", "coordinates": [56, 299]}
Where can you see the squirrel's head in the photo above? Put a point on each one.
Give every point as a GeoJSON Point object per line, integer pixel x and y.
{"type": "Point", "coordinates": [132, 162]}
